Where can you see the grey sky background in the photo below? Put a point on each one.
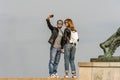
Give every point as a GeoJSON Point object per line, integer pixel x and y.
{"type": "Point", "coordinates": [24, 50]}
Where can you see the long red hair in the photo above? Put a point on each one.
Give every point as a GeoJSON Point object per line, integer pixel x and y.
{"type": "Point", "coordinates": [70, 24]}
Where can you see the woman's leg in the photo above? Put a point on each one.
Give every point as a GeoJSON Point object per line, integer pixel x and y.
{"type": "Point", "coordinates": [72, 58]}
{"type": "Point", "coordinates": [66, 58]}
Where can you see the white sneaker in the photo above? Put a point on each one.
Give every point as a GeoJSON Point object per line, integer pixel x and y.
{"type": "Point", "coordinates": [56, 75]}
{"type": "Point", "coordinates": [52, 76]}
{"type": "Point", "coordinates": [66, 76]}
{"type": "Point", "coordinates": [74, 76]}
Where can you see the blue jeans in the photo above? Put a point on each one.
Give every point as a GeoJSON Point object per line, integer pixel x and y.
{"type": "Point", "coordinates": [54, 60]}
{"type": "Point", "coordinates": [69, 56]}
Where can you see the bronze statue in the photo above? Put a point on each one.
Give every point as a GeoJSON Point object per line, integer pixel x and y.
{"type": "Point", "coordinates": [109, 47]}
{"type": "Point", "coordinates": [111, 44]}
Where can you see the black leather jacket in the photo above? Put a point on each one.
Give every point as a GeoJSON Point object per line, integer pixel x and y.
{"type": "Point", "coordinates": [54, 31]}
{"type": "Point", "coordinates": [66, 36]}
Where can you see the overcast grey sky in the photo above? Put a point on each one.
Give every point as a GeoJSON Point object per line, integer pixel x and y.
{"type": "Point", "coordinates": [24, 50]}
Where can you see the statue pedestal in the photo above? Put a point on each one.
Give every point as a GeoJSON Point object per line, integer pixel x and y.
{"type": "Point", "coordinates": [104, 59]}
{"type": "Point", "coordinates": [99, 70]}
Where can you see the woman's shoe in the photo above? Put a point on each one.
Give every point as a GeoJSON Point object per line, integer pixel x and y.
{"type": "Point", "coordinates": [66, 76]}
{"type": "Point", "coordinates": [74, 76]}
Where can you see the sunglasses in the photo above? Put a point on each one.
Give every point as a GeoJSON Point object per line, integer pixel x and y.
{"type": "Point", "coordinates": [60, 23]}
{"type": "Point", "coordinates": [65, 22]}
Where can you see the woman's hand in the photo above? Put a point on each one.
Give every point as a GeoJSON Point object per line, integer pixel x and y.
{"type": "Point", "coordinates": [62, 51]}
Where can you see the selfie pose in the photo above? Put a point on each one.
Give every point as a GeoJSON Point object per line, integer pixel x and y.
{"type": "Point", "coordinates": [55, 49]}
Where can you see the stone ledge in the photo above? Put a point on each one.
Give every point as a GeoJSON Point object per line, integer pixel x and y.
{"type": "Point", "coordinates": [38, 79]}
{"type": "Point", "coordinates": [100, 64]}
{"type": "Point", "coordinates": [104, 59]}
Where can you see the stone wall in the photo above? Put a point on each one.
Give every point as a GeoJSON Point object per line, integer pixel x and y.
{"type": "Point", "coordinates": [37, 79]}
{"type": "Point", "coordinates": [99, 70]}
